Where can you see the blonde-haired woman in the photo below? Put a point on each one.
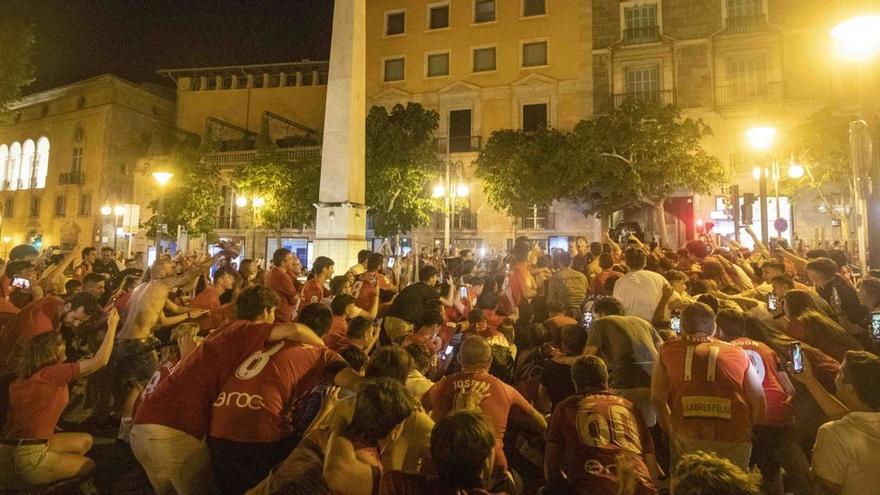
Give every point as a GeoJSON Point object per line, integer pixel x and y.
{"type": "Point", "coordinates": [31, 454]}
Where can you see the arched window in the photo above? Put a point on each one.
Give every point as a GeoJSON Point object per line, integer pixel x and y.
{"type": "Point", "coordinates": [42, 162]}
{"type": "Point", "coordinates": [13, 172]}
{"type": "Point", "coordinates": [4, 157]}
{"type": "Point", "coordinates": [27, 164]}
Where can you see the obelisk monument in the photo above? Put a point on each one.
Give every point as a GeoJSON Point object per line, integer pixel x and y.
{"type": "Point", "coordinates": [340, 226]}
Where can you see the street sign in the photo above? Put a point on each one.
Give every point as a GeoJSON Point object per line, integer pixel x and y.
{"type": "Point", "coordinates": [780, 224]}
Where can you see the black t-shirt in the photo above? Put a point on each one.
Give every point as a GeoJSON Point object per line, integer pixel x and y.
{"type": "Point", "coordinates": [556, 378]}
{"type": "Point", "coordinates": [412, 302]}
{"type": "Point", "coordinates": [110, 267]}
{"type": "Point", "coordinates": [849, 298]}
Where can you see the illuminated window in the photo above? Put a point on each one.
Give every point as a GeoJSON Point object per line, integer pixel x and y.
{"type": "Point", "coordinates": [27, 165]}
{"type": "Point", "coordinates": [641, 80]}
{"type": "Point", "coordinates": [13, 170]}
{"type": "Point", "coordinates": [4, 160]}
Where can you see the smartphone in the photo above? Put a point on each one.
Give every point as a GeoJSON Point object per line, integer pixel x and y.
{"type": "Point", "coordinates": [675, 324]}
{"type": "Point", "coordinates": [21, 283]}
{"type": "Point", "coordinates": [797, 358]}
{"type": "Point", "coordinates": [771, 302]}
{"type": "Point", "coordinates": [588, 320]}
{"type": "Point", "coordinates": [391, 262]}
{"type": "Point", "coordinates": [449, 349]}
{"type": "Point", "coordinates": [463, 292]}
{"type": "Point", "coordinates": [875, 325]}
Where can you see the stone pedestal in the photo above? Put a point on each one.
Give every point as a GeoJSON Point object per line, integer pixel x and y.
{"type": "Point", "coordinates": [340, 227]}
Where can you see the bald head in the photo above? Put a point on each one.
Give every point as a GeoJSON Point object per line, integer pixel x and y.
{"type": "Point", "coordinates": [475, 352]}
{"type": "Point", "coordinates": [161, 268]}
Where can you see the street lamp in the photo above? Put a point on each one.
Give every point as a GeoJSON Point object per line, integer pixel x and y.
{"type": "Point", "coordinates": [162, 177]}
{"type": "Point", "coordinates": [256, 202]}
{"type": "Point", "coordinates": [450, 189]}
{"type": "Point", "coordinates": [761, 139]}
{"type": "Point", "coordinates": [117, 212]}
{"type": "Point", "coordinates": [858, 40]}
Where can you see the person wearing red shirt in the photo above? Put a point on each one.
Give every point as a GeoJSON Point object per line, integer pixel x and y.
{"type": "Point", "coordinates": [427, 332]}
{"type": "Point", "coordinates": [343, 309]}
{"type": "Point", "coordinates": [282, 280]}
{"type": "Point", "coordinates": [31, 453]}
{"type": "Point", "coordinates": [557, 321]}
{"type": "Point", "coordinates": [168, 436]}
{"type": "Point", "coordinates": [209, 298]}
{"type": "Point", "coordinates": [522, 284]}
{"type": "Point", "coordinates": [589, 431]}
{"type": "Point", "coordinates": [475, 389]}
{"type": "Point", "coordinates": [361, 333]}
{"type": "Point", "coordinates": [315, 289]}
{"type": "Point", "coordinates": [706, 392]}
{"type": "Point", "coordinates": [89, 255]}
{"type": "Point", "coordinates": [252, 418]}
{"type": "Point", "coordinates": [606, 263]}
{"type": "Point", "coordinates": [368, 285]}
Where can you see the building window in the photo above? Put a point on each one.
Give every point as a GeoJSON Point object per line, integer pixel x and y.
{"type": "Point", "coordinates": [534, 7]}
{"type": "Point", "coordinates": [744, 16]}
{"type": "Point", "coordinates": [748, 78]}
{"type": "Point", "coordinates": [226, 82]}
{"type": "Point", "coordinates": [534, 117]}
{"type": "Point", "coordinates": [42, 162]}
{"type": "Point", "coordinates": [9, 208]}
{"type": "Point", "coordinates": [534, 54]}
{"type": "Point", "coordinates": [484, 59]}
{"type": "Point", "coordinates": [460, 126]}
{"type": "Point", "coordinates": [76, 165]}
{"type": "Point", "coordinates": [211, 83]}
{"type": "Point", "coordinates": [640, 24]}
{"type": "Point", "coordinates": [60, 205]}
{"type": "Point", "coordinates": [35, 207]}
{"type": "Point", "coordinates": [643, 80]}
{"type": "Point", "coordinates": [538, 218]}
{"type": "Point", "coordinates": [438, 16]}
{"type": "Point", "coordinates": [438, 64]}
{"type": "Point", "coordinates": [195, 83]}
{"type": "Point", "coordinates": [484, 11]}
{"type": "Point", "coordinates": [395, 23]}
{"type": "Point", "coordinates": [85, 205]}
{"type": "Point", "coordinates": [395, 69]}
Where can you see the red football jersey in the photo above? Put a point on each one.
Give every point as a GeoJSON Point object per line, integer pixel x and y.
{"type": "Point", "coordinates": [366, 286]}
{"type": "Point", "coordinates": [780, 411]}
{"type": "Point", "coordinates": [313, 292]}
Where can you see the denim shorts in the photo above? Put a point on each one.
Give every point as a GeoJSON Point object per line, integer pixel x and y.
{"type": "Point", "coordinates": [24, 465]}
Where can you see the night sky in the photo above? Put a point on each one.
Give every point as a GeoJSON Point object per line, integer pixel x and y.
{"type": "Point", "coordinates": [78, 39]}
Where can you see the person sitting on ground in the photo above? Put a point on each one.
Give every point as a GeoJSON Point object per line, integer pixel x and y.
{"type": "Point", "coordinates": [361, 333]}
{"type": "Point", "coordinates": [567, 288]}
{"type": "Point", "coordinates": [411, 304]}
{"type": "Point", "coordinates": [580, 460]}
{"type": "Point", "coordinates": [427, 331]}
{"type": "Point", "coordinates": [558, 319]}
{"type": "Point", "coordinates": [369, 285]}
{"type": "Point", "coordinates": [343, 309]}
{"type": "Point", "coordinates": [72, 287]}
{"type": "Point", "coordinates": [556, 384]}
{"type": "Point", "coordinates": [31, 453]}
{"type": "Point", "coordinates": [703, 473]}
{"type": "Point", "coordinates": [423, 361]}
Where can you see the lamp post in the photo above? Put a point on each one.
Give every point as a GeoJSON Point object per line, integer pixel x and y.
{"type": "Point", "coordinates": [162, 177]}
{"type": "Point", "coordinates": [450, 189]}
{"type": "Point", "coordinates": [256, 202]}
{"type": "Point", "coordinates": [761, 139]}
{"type": "Point", "coordinates": [858, 40]}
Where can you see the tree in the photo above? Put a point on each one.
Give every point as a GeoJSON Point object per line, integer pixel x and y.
{"type": "Point", "coordinates": [642, 152]}
{"type": "Point", "coordinates": [520, 169]}
{"type": "Point", "coordinates": [16, 53]}
{"type": "Point", "coordinates": [193, 196]}
{"type": "Point", "coordinates": [289, 189]}
{"type": "Point", "coordinates": [401, 162]}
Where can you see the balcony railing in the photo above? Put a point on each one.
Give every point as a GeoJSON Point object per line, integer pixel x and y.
{"type": "Point", "coordinates": [71, 178]}
{"type": "Point", "coordinates": [461, 220]}
{"type": "Point", "coordinates": [229, 159]}
{"type": "Point", "coordinates": [460, 144]}
{"type": "Point", "coordinates": [641, 35]}
{"type": "Point", "coordinates": [746, 23]}
{"type": "Point", "coordinates": [665, 97]}
{"type": "Point", "coordinates": [744, 94]}
{"type": "Point", "coordinates": [537, 222]}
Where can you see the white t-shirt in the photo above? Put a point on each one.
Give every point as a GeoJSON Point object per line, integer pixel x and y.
{"type": "Point", "coordinates": [639, 292]}
{"type": "Point", "coordinates": [846, 453]}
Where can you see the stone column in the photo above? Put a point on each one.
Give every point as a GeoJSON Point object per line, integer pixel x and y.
{"type": "Point", "coordinates": [340, 226]}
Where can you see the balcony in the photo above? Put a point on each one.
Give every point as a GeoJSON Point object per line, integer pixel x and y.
{"type": "Point", "coordinates": [747, 94]}
{"type": "Point", "coordinates": [641, 35]}
{"type": "Point", "coordinates": [231, 159]}
{"type": "Point", "coordinates": [460, 144]}
{"type": "Point", "coordinates": [540, 221]}
{"type": "Point", "coordinates": [71, 179]}
{"type": "Point", "coordinates": [746, 24]}
{"type": "Point", "coordinates": [665, 97]}
{"type": "Point", "coordinates": [464, 219]}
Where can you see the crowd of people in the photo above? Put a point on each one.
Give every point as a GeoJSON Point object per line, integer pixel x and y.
{"type": "Point", "coordinates": [605, 368]}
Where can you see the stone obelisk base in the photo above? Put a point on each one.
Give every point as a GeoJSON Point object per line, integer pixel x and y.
{"type": "Point", "coordinates": [341, 233]}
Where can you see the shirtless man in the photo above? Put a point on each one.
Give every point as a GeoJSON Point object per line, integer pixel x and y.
{"type": "Point", "coordinates": [133, 355]}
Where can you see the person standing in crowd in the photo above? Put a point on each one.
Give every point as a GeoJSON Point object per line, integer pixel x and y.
{"type": "Point", "coordinates": [282, 280]}
{"type": "Point", "coordinates": [86, 267]}
{"type": "Point", "coordinates": [315, 289]}
{"type": "Point", "coordinates": [835, 289]}
{"type": "Point", "coordinates": [580, 458]}
{"type": "Point", "coordinates": [209, 300]}
{"type": "Point", "coordinates": [361, 266]}
{"type": "Point", "coordinates": [606, 273]}
{"type": "Point", "coordinates": [567, 288]}
{"type": "Point", "coordinates": [706, 392]}
{"type": "Point", "coordinates": [640, 290]}
{"type": "Point", "coordinates": [31, 453]}
{"type": "Point", "coordinates": [106, 265]}
{"type": "Point", "coordinates": [522, 284]}
{"type": "Point", "coordinates": [368, 285]}
{"type": "Point", "coordinates": [411, 304]}
{"type": "Point", "coordinates": [580, 257]}
{"type": "Point", "coordinates": [94, 284]}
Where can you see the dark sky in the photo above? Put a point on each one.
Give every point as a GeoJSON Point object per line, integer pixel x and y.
{"type": "Point", "coordinates": [78, 39]}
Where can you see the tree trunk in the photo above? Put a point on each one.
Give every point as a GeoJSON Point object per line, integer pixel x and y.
{"type": "Point", "coordinates": [661, 223]}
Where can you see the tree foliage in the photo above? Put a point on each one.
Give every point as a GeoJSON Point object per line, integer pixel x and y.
{"type": "Point", "coordinates": [520, 169]}
{"type": "Point", "coordinates": [401, 163]}
{"type": "Point", "coordinates": [193, 196]}
{"type": "Point", "coordinates": [16, 54]}
{"type": "Point", "coordinates": [289, 189]}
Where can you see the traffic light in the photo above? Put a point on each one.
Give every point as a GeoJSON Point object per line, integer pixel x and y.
{"type": "Point", "coordinates": [748, 200]}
